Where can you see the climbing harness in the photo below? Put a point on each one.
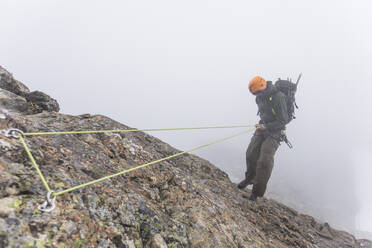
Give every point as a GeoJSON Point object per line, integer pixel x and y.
{"type": "Point", "coordinates": [50, 202]}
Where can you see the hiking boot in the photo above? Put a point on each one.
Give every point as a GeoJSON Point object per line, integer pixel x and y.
{"type": "Point", "coordinates": [243, 184]}
{"type": "Point", "coordinates": [253, 197]}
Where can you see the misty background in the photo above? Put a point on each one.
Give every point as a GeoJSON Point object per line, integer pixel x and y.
{"type": "Point", "coordinates": [167, 63]}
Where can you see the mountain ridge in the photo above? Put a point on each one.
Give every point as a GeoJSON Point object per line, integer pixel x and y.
{"type": "Point", "coordinates": [182, 202]}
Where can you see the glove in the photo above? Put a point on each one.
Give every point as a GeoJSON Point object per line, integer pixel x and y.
{"type": "Point", "coordinates": [260, 127]}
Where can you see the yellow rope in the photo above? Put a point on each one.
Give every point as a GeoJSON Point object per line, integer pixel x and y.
{"type": "Point", "coordinates": [34, 163]}
{"type": "Point", "coordinates": [123, 131]}
{"type": "Point", "coordinates": [147, 164]}
{"type": "Point", "coordinates": [133, 130]}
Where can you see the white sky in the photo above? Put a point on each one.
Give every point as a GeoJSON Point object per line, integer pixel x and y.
{"type": "Point", "coordinates": [174, 63]}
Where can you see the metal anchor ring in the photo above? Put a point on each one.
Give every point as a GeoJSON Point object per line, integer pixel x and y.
{"type": "Point", "coordinates": [12, 133]}
{"type": "Point", "coordinates": [49, 205]}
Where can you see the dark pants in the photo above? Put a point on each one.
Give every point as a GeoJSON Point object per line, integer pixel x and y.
{"type": "Point", "coordinates": [260, 160]}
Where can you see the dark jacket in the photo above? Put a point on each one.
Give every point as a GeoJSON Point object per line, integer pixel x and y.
{"type": "Point", "coordinates": [272, 108]}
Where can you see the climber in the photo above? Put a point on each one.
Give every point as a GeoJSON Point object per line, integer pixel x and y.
{"type": "Point", "coordinates": [270, 131]}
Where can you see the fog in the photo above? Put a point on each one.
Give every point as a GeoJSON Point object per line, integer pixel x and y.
{"type": "Point", "coordinates": [166, 63]}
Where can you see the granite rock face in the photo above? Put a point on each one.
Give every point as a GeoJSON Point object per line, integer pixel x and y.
{"type": "Point", "coordinates": [182, 202]}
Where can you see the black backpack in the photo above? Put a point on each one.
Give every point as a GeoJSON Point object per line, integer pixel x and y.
{"type": "Point", "coordinates": [289, 89]}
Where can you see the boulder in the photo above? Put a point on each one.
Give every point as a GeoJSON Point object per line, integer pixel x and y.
{"type": "Point", "coordinates": [7, 82]}
{"type": "Point", "coordinates": [42, 102]}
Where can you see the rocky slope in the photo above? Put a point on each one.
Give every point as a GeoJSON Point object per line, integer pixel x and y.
{"type": "Point", "coordinates": [182, 202]}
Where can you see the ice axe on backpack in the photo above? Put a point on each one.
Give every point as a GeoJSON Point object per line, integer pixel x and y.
{"type": "Point", "coordinates": [298, 80]}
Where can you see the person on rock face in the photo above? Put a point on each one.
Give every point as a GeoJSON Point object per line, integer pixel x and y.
{"type": "Point", "coordinates": [269, 133]}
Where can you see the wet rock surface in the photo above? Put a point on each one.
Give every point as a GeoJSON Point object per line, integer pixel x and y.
{"type": "Point", "coordinates": [182, 202]}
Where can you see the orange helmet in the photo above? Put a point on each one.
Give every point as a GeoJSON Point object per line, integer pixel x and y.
{"type": "Point", "coordinates": [257, 84]}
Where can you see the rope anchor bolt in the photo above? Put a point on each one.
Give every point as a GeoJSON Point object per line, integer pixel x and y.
{"type": "Point", "coordinates": [50, 203]}
{"type": "Point", "coordinates": [12, 133]}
